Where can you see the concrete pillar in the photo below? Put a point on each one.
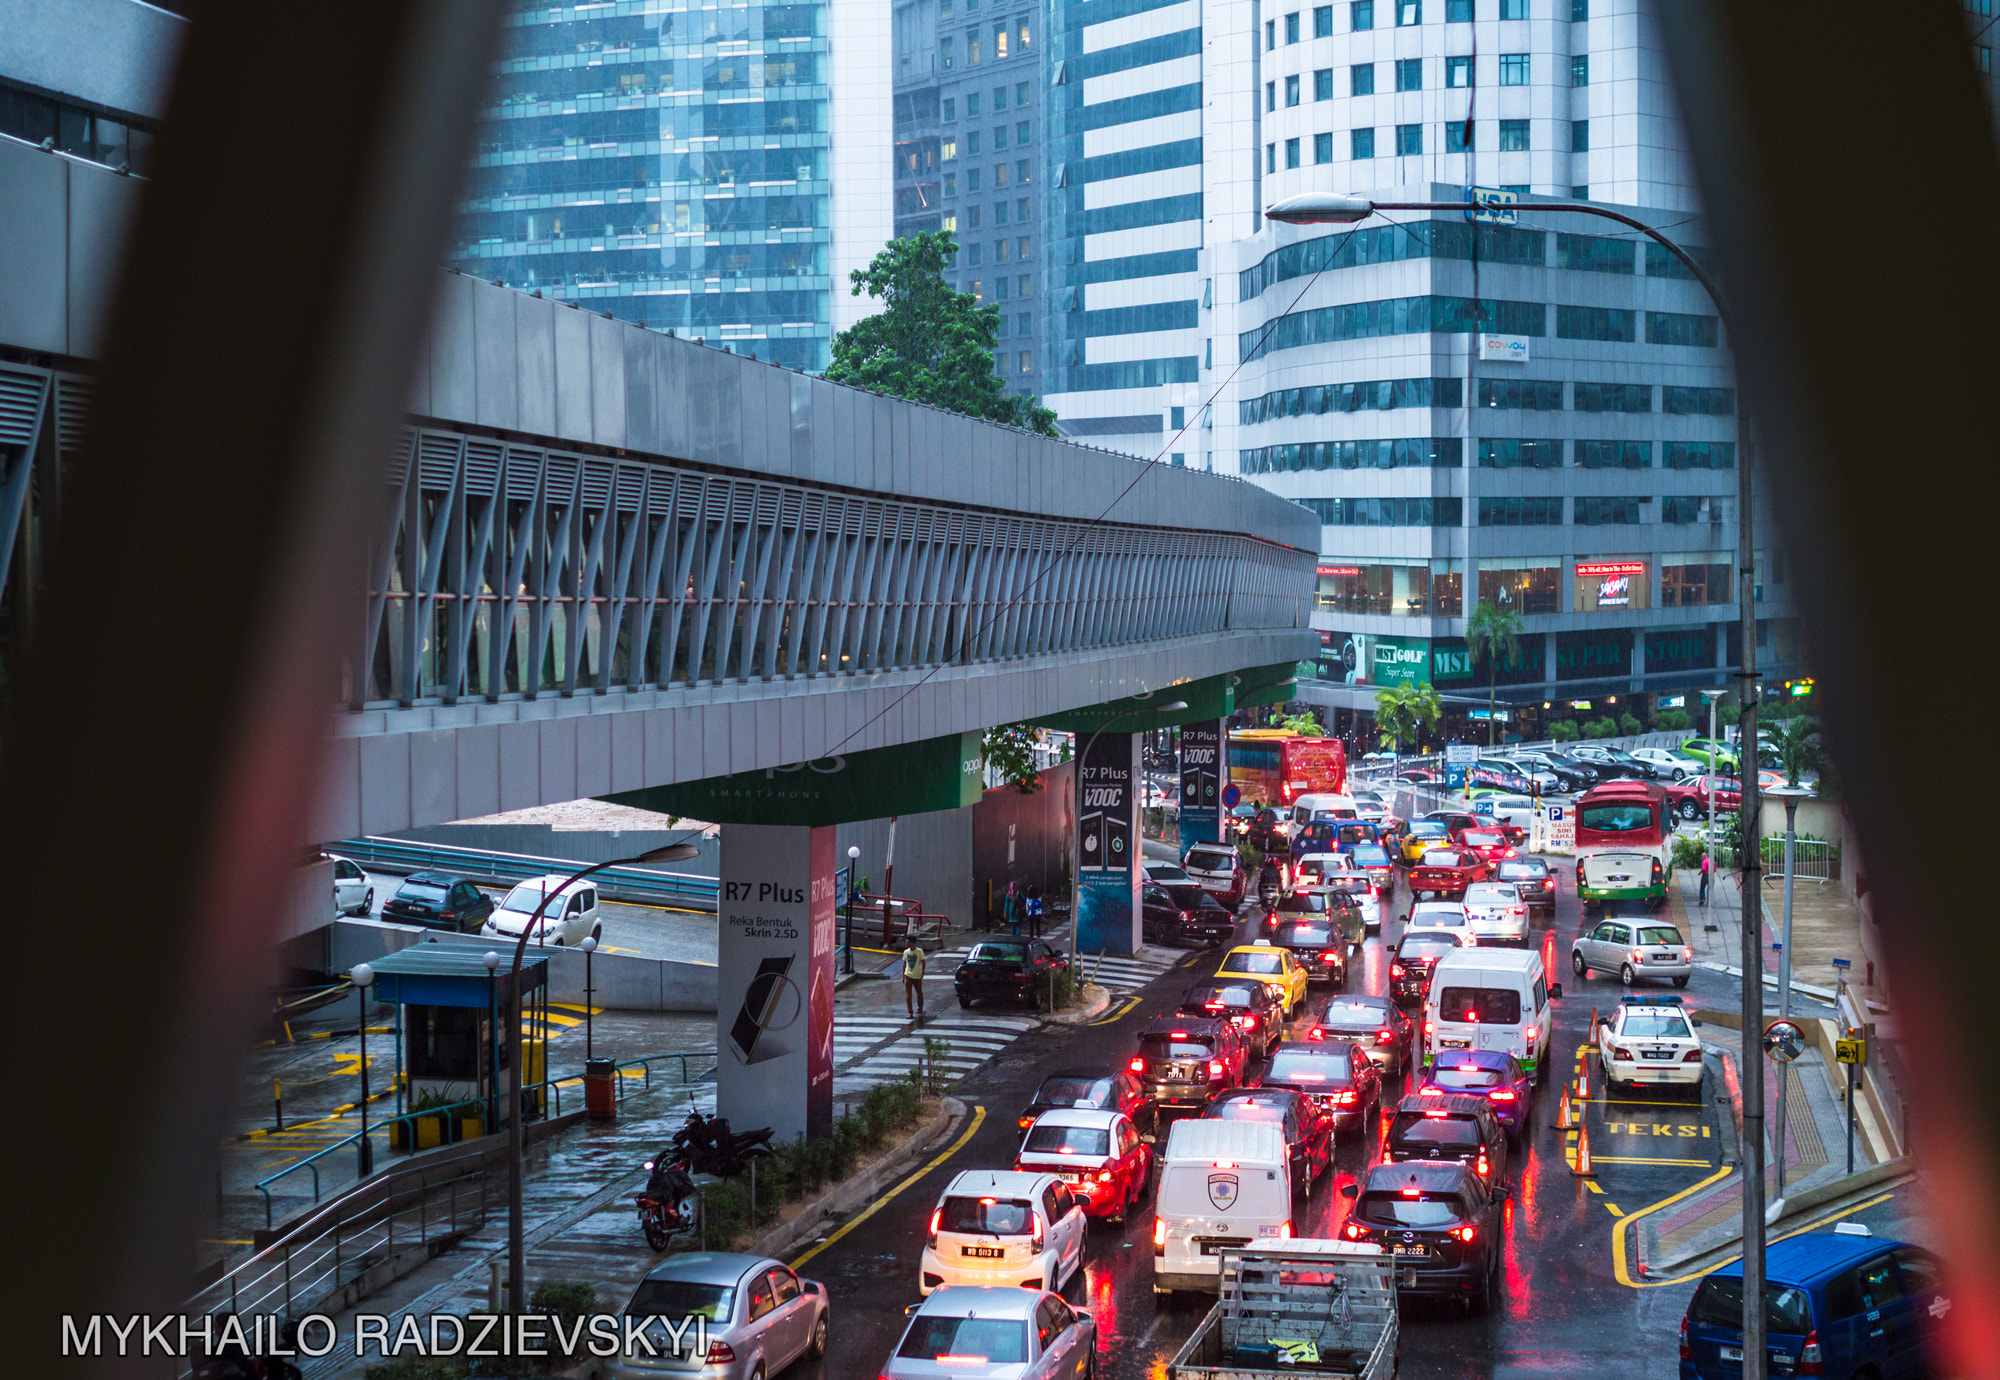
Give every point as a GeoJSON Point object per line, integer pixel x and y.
{"type": "Point", "coordinates": [1108, 845]}
{"type": "Point", "coordinates": [1203, 775]}
{"type": "Point", "coordinates": [774, 957]}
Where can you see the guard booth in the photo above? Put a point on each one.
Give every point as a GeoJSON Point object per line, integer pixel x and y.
{"type": "Point", "coordinates": [452, 1051]}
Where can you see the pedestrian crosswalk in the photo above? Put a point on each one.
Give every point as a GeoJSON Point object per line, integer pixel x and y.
{"type": "Point", "coordinates": [962, 1043]}
{"type": "Point", "coordinates": [1113, 972]}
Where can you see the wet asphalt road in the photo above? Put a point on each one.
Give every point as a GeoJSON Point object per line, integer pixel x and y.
{"type": "Point", "coordinates": [1564, 1311]}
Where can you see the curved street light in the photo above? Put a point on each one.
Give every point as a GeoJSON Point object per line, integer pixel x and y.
{"type": "Point", "coordinates": [516, 1250]}
{"type": "Point", "coordinates": [1335, 208]}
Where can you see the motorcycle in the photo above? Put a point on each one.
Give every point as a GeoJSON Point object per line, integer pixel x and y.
{"type": "Point", "coordinates": [704, 1145]}
{"type": "Point", "coordinates": [668, 1206]}
{"type": "Point", "coordinates": [708, 1146]}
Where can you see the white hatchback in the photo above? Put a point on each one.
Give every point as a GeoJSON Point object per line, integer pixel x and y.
{"type": "Point", "coordinates": [571, 913]}
{"type": "Point", "coordinates": [1441, 915]}
{"type": "Point", "coordinates": [1496, 914]}
{"type": "Point", "coordinates": [1005, 1227]}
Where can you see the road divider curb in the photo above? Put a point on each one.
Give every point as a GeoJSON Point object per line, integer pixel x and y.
{"type": "Point", "coordinates": [1862, 1184]}
{"type": "Point", "coordinates": [862, 1188]}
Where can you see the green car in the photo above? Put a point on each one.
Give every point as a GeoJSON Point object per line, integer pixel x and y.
{"type": "Point", "coordinates": [1716, 756]}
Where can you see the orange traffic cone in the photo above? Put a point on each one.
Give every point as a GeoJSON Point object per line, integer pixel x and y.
{"type": "Point", "coordinates": [1582, 1166]}
{"type": "Point", "coordinates": [1583, 1077]}
{"type": "Point", "coordinates": [1564, 1121]}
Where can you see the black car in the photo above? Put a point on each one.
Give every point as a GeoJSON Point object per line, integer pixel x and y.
{"type": "Point", "coordinates": [1320, 949]}
{"type": "Point", "coordinates": [1535, 879]}
{"type": "Point", "coordinates": [1440, 1223]}
{"type": "Point", "coordinates": [1185, 1060]}
{"type": "Point", "coordinates": [1013, 969]}
{"type": "Point", "coordinates": [439, 900]}
{"type": "Point", "coordinates": [1416, 954]}
{"type": "Point", "coordinates": [1334, 1073]}
{"type": "Point", "coordinates": [1612, 763]}
{"type": "Point", "coordinates": [1097, 1088]}
{"type": "Point", "coordinates": [1246, 1003]}
{"type": "Point", "coordinates": [1183, 913]}
{"type": "Point", "coordinates": [1573, 774]}
{"type": "Point", "coordinates": [1307, 1127]}
{"type": "Point", "coordinates": [1437, 1125]}
{"type": "Point", "coordinates": [1377, 1026]}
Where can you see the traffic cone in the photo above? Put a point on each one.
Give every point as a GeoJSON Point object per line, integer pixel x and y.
{"type": "Point", "coordinates": [1564, 1121]}
{"type": "Point", "coordinates": [1583, 1077]}
{"type": "Point", "coordinates": [1582, 1166]}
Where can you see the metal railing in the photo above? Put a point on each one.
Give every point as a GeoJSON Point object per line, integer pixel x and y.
{"type": "Point", "coordinates": [643, 884]}
{"type": "Point", "coordinates": [645, 1064]}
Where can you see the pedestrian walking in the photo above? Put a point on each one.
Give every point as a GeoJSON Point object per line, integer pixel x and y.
{"type": "Point", "coordinates": [1707, 866]}
{"type": "Point", "coordinates": [913, 979]}
{"type": "Point", "coordinates": [1010, 907]}
{"type": "Point", "coordinates": [1035, 911]}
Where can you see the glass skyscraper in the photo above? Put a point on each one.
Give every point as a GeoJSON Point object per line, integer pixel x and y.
{"type": "Point", "coordinates": [694, 169]}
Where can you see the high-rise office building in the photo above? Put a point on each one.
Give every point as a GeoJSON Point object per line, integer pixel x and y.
{"type": "Point", "coordinates": [716, 172]}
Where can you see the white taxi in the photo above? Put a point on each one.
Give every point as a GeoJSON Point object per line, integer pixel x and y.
{"type": "Point", "coordinates": [1005, 1228]}
{"type": "Point", "coordinates": [1649, 1041]}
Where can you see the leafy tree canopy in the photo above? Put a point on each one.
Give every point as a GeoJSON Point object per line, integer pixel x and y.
{"type": "Point", "coordinates": [929, 343]}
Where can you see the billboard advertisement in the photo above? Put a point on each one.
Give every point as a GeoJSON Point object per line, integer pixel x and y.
{"type": "Point", "coordinates": [774, 979]}
{"type": "Point", "coordinates": [1107, 845]}
{"type": "Point", "coordinates": [1202, 780]}
{"type": "Point", "coordinates": [1402, 660]}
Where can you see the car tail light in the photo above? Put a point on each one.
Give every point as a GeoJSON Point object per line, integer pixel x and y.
{"type": "Point", "coordinates": [1137, 1066]}
{"type": "Point", "coordinates": [1429, 1029]}
{"type": "Point", "coordinates": [1693, 1056]}
{"type": "Point", "coordinates": [1430, 1090]}
{"type": "Point", "coordinates": [1215, 1068]}
{"type": "Point", "coordinates": [1383, 1037]}
{"type": "Point", "coordinates": [1501, 1095]}
{"type": "Point", "coordinates": [1811, 1362]}
{"type": "Point", "coordinates": [1506, 852]}
{"type": "Point", "coordinates": [1687, 1352]}
{"type": "Point", "coordinates": [1036, 1238]}
{"type": "Point", "coordinates": [1104, 1176]}
{"type": "Point", "coordinates": [1529, 1034]}
{"type": "Point", "coordinates": [1025, 1122]}
{"type": "Point", "coordinates": [1285, 1232]}
{"type": "Point", "coordinates": [1351, 1231]}
{"type": "Point", "coordinates": [1185, 917]}
{"type": "Point", "coordinates": [1618, 1052]}
{"type": "Point", "coordinates": [1687, 955]}
{"type": "Point", "coordinates": [1517, 910]}
{"type": "Point", "coordinates": [447, 915]}
{"type": "Point", "coordinates": [720, 1353]}
{"type": "Point", "coordinates": [1656, 869]}
{"type": "Point", "coordinates": [937, 1220]}
{"type": "Point", "coordinates": [1638, 956]}
{"type": "Point", "coordinates": [1464, 1234]}
{"type": "Point", "coordinates": [1247, 1022]}
{"type": "Point", "coordinates": [1349, 1097]}
{"type": "Point", "coordinates": [1396, 970]}
{"type": "Point", "coordinates": [1159, 1235]}
{"type": "Point", "coordinates": [1483, 1168]}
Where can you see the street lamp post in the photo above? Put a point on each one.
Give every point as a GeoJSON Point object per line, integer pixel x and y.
{"type": "Point", "coordinates": [1790, 795]}
{"type": "Point", "coordinates": [847, 945]}
{"type": "Point", "coordinates": [589, 947]}
{"type": "Point", "coordinates": [363, 978]}
{"type": "Point", "coordinates": [516, 1246]}
{"type": "Point", "coordinates": [492, 962]}
{"type": "Point", "coordinates": [1324, 208]}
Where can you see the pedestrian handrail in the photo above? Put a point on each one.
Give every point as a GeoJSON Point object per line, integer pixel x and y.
{"type": "Point", "coordinates": [646, 1062]}
{"type": "Point", "coordinates": [649, 885]}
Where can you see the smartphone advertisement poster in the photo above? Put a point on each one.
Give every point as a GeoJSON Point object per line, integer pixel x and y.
{"type": "Point", "coordinates": [1107, 841]}
{"type": "Point", "coordinates": [1202, 780]}
{"type": "Point", "coordinates": [774, 979]}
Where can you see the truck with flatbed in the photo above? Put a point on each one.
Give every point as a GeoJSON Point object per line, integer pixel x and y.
{"type": "Point", "coordinates": [1304, 1307]}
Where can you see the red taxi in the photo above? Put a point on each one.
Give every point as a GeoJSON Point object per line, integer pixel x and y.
{"type": "Point", "coordinates": [1448, 872]}
{"type": "Point", "coordinates": [1099, 1155]}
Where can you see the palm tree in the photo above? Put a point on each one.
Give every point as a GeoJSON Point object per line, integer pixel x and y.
{"type": "Point", "coordinates": [1490, 634]}
{"type": "Point", "coordinates": [1404, 711]}
{"type": "Point", "coordinates": [1798, 745]}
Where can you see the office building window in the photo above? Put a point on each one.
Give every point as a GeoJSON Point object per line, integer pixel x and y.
{"type": "Point", "coordinates": [1690, 578]}
{"type": "Point", "coordinates": [1458, 11]}
{"type": "Point", "coordinates": [1361, 79]}
{"type": "Point", "coordinates": [1176, 418]}
{"type": "Point", "coordinates": [1579, 10]}
{"type": "Point", "coordinates": [1000, 333]}
{"type": "Point", "coordinates": [1983, 56]}
{"type": "Point", "coordinates": [945, 56]}
{"type": "Point", "coordinates": [1513, 69]}
{"type": "Point", "coordinates": [999, 42]}
{"type": "Point", "coordinates": [1517, 188]}
{"type": "Point", "coordinates": [1681, 511]}
{"type": "Point", "coordinates": [949, 222]}
{"type": "Point", "coordinates": [1000, 213]}
{"type": "Point", "coordinates": [1608, 512]}
{"type": "Point", "coordinates": [1409, 140]}
{"type": "Point", "coordinates": [1514, 139]}
{"type": "Point", "coordinates": [1021, 209]}
{"type": "Point", "coordinates": [1291, 153]}
{"type": "Point", "coordinates": [1291, 91]}
{"type": "Point", "coordinates": [1361, 15]}
{"type": "Point", "coordinates": [1513, 9]}
{"type": "Point", "coordinates": [1270, 34]}
{"type": "Point", "coordinates": [1698, 455]}
{"type": "Point", "coordinates": [1614, 455]}
{"type": "Point", "coordinates": [1595, 254]}
{"type": "Point", "coordinates": [999, 137]}
{"type": "Point", "coordinates": [1000, 284]}
{"type": "Point", "coordinates": [1323, 22]}
{"type": "Point", "coordinates": [1524, 584]}
{"type": "Point", "coordinates": [950, 112]}
{"type": "Point", "coordinates": [1021, 92]}
{"type": "Point", "coordinates": [1458, 136]}
{"type": "Point", "coordinates": [1579, 70]}
{"type": "Point", "coordinates": [999, 98]}
{"type": "Point", "coordinates": [978, 288]}
{"type": "Point", "coordinates": [1519, 512]}
{"type": "Point", "coordinates": [1292, 27]}
{"type": "Point", "coordinates": [1323, 84]}
{"type": "Point", "coordinates": [1021, 171]}
{"type": "Point", "coordinates": [1677, 328]}
{"type": "Point", "coordinates": [1409, 74]}
{"type": "Point", "coordinates": [1530, 395]}
{"type": "Point", "coordinates": [1025, 322]}
{"type": "Point", "coordinates": [972, 141]}
{"type": "Point", "coordinates": [1270, 158]}
{"type": "Point", "coordinates": [1698, 402]}
{"type": "Point", "coordinates": [1026, 32]}
{"type": "Point", "coordinates": [1388, 512]}
{"type": "Point", "coordinates": [1322, 148]}
{"type": "Point", "coordinates": [1595, 323]}
{"type": "Point", "coordinates": [1027, 362]}
{"type": "Point", "coordinates": [1614, 397]}
{"type": "Point", "coordinates": [1458, 71]}
{"type": "Point", "coordinates": [972, 105]}
{"type": "Point", "coordinates": [951, 184]}
{"type": "Point", "coordinates": [1419, 452]}
{"type": "Point", "coordinates": [1025, 281]}
{"type": "Point", "coordinates": [1021, 132]}
{"type": "Point", "coordinates": [972, 214]}
{"type": "Point", "coordinates": [999, 175]}
{"type": "Point", "coordinates": [972, 179]}
{"type": "Point", "coordinates": [1376, 395]}
{"type": "Point", "coordinates": [947, 148]}
{"type": "Point", "coordinates": [1409, 12]}
{"type": "Point", "coordinates": [1520, 453]}
{"type": "Point", "coordinates": [1361, 143]}
{"type": "Point", "coordinates": [1579, 191]}
{"type": "Point", "coordinates": [971, 48]}
{"type": "Point", "coordinates": [1270, 95]}
{"type": "Point", "coordinates": [1579, 136]}
{"type": "Point", "coordinates": [1398, 591]}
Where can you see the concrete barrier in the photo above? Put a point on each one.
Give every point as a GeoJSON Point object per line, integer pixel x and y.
{"type": "Point", "coordinates": [622, 982]}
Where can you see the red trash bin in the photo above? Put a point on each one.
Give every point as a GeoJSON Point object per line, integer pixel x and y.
{"type": "Point", "coordinates": [600, 1089]}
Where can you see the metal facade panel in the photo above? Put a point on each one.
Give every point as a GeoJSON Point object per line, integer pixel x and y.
{"type": "Point", "coordinates": [628, 749]}
{"type": "Point", "coordinates": [101, 207]}
{"type": "Point", "coordinates": [521, 766]}
{"type": "Point", "coordinates": [34, 225]}
{"type": "Point", "coordinates": [478, 770]}
{"type": "Point", "coordinates": [496, 353]}
{"type": "Point", "coordinates": [453, 330]}
{"type": "Point", "coordinates": [556, 747]}
{"type": "Point", "coordinates": [434, 790]}
{"type": "Point", "coordinates": [573, 391]}
{"type": "Point", "coordinates": [336, 811]}
{"type": "Point", "coordinates": [642, 422]}
{"type": "Point", "coordinates": [672, 365]}
{"type": "Point", "coordinates": [535, 364]}
{"type": "Point", "coordinates": [607, 381]}
{"type": "Point", "coordinates": [591, 734]}
{"type": "Point", "coordinates": [385, 782]}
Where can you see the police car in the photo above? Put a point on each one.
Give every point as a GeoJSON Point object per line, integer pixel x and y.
{"type": "Point", "coordinates": [1649, 1040]}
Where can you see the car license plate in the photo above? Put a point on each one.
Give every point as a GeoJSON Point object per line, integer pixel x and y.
{"type": "Point", "coordinates": [1618, 877]}
{"type": "Point", "coordinates": [1654, 1053]}
{"type": "Point", "coordinates": [1177, 1070]}
{"type": "Point", "coordinates": [1071, 1178]}
{"type": "Point", "coordinates": [984, 1252]}
{"type": "Point", "coordinates": [1730, 1353]}
{"type": "Point", "coordinates": [1413, 1250]}
{"type": "Point", "coordinates": [1454, 1044]}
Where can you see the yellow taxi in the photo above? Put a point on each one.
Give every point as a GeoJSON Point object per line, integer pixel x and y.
{"type": "Point", "coordinates": [1419, 837]}
{"type": "Point", "coordinates": [1284, 975]}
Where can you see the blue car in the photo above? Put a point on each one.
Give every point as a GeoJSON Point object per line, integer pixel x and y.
{"type": "Point", "coordinates": [1489, 1073]}
{"type": "Point", "coordinates": [1835, 1304]}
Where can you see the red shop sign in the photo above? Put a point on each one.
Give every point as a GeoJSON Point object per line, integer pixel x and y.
{"type": "Point", "coordinates": [1588, 568]}
{"type": "Point", "coordinates": [1340, 570]}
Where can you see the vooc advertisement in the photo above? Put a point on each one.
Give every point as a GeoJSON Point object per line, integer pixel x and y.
{"type": "Point", "coordinates": [1107, 845]}
{"type": "Point", "coordinates": [774, 979]}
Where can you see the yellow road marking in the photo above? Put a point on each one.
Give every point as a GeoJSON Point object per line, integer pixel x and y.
{"type": "Point", "coordinates": [1634, 1159]}
{"type": "Point", "coordinates": [1591, 1184]}
{"type": "Point", "coordinates": [1612, 1208]}
{"type": "Point", "coordinates": [1618, 1231]}
{"type": "Point", "coordinates": [1120, 1014]}
{"type": "Point", "coordinates": [978, 1119]}
{"type": "Point", "coordinates": [1618, 1240]}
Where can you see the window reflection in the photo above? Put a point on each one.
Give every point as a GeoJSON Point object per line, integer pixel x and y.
{"type": "Point", "coordinates": [1435, 589]}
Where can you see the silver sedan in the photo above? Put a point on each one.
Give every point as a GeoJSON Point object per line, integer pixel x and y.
{"type": "Point", "coordinates": [755, 1316]}
{"type": "Point", "coordinates": [969, 1332]}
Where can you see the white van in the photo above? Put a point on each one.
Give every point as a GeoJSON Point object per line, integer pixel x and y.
{"type": "Point", "coordinates": [1491, 999]}
{"type": "Point", "coordinates": [1223, 1184]}
{"type": "Point", "coordinates": [1307, 807]}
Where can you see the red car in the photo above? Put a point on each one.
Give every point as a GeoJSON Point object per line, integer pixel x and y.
{"type": "Point", "coordinates": [1689, 798]}
{"type": "Point", "coordinates": [1448, 872]}
{"type": "Point", "coordinates": [1492, 845]}
{"type": "Point", "coordinates": [1098, 1154]}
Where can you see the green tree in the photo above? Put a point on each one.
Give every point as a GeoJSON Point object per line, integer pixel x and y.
{"type": "Point", "coordinates": [1563, 731]}
{"type": "Point", "coordinates": [929, 343]}
{"type": "Point", "coordinates": [1011, 750]}
{"type": "Point", "coordinates": [1491, 634]}
{"type": "Point", "coordinates": [1304, 723]}
{"type": "Point", "coordinates": [1629, 725]}
{"type": "Point", "coordinates": [1798, 745]}
{"type": "Point", "coordinates": [1403, 712]}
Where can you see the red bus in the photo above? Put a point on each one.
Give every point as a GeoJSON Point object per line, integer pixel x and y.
{"type": "Point", "coordinates": [1277, 766]}
{"type": "Point", "coordinates": [1623, 853]}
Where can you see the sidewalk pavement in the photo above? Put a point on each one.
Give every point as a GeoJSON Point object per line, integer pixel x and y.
{"type": "Point", "coordinates": [1825, 925]}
